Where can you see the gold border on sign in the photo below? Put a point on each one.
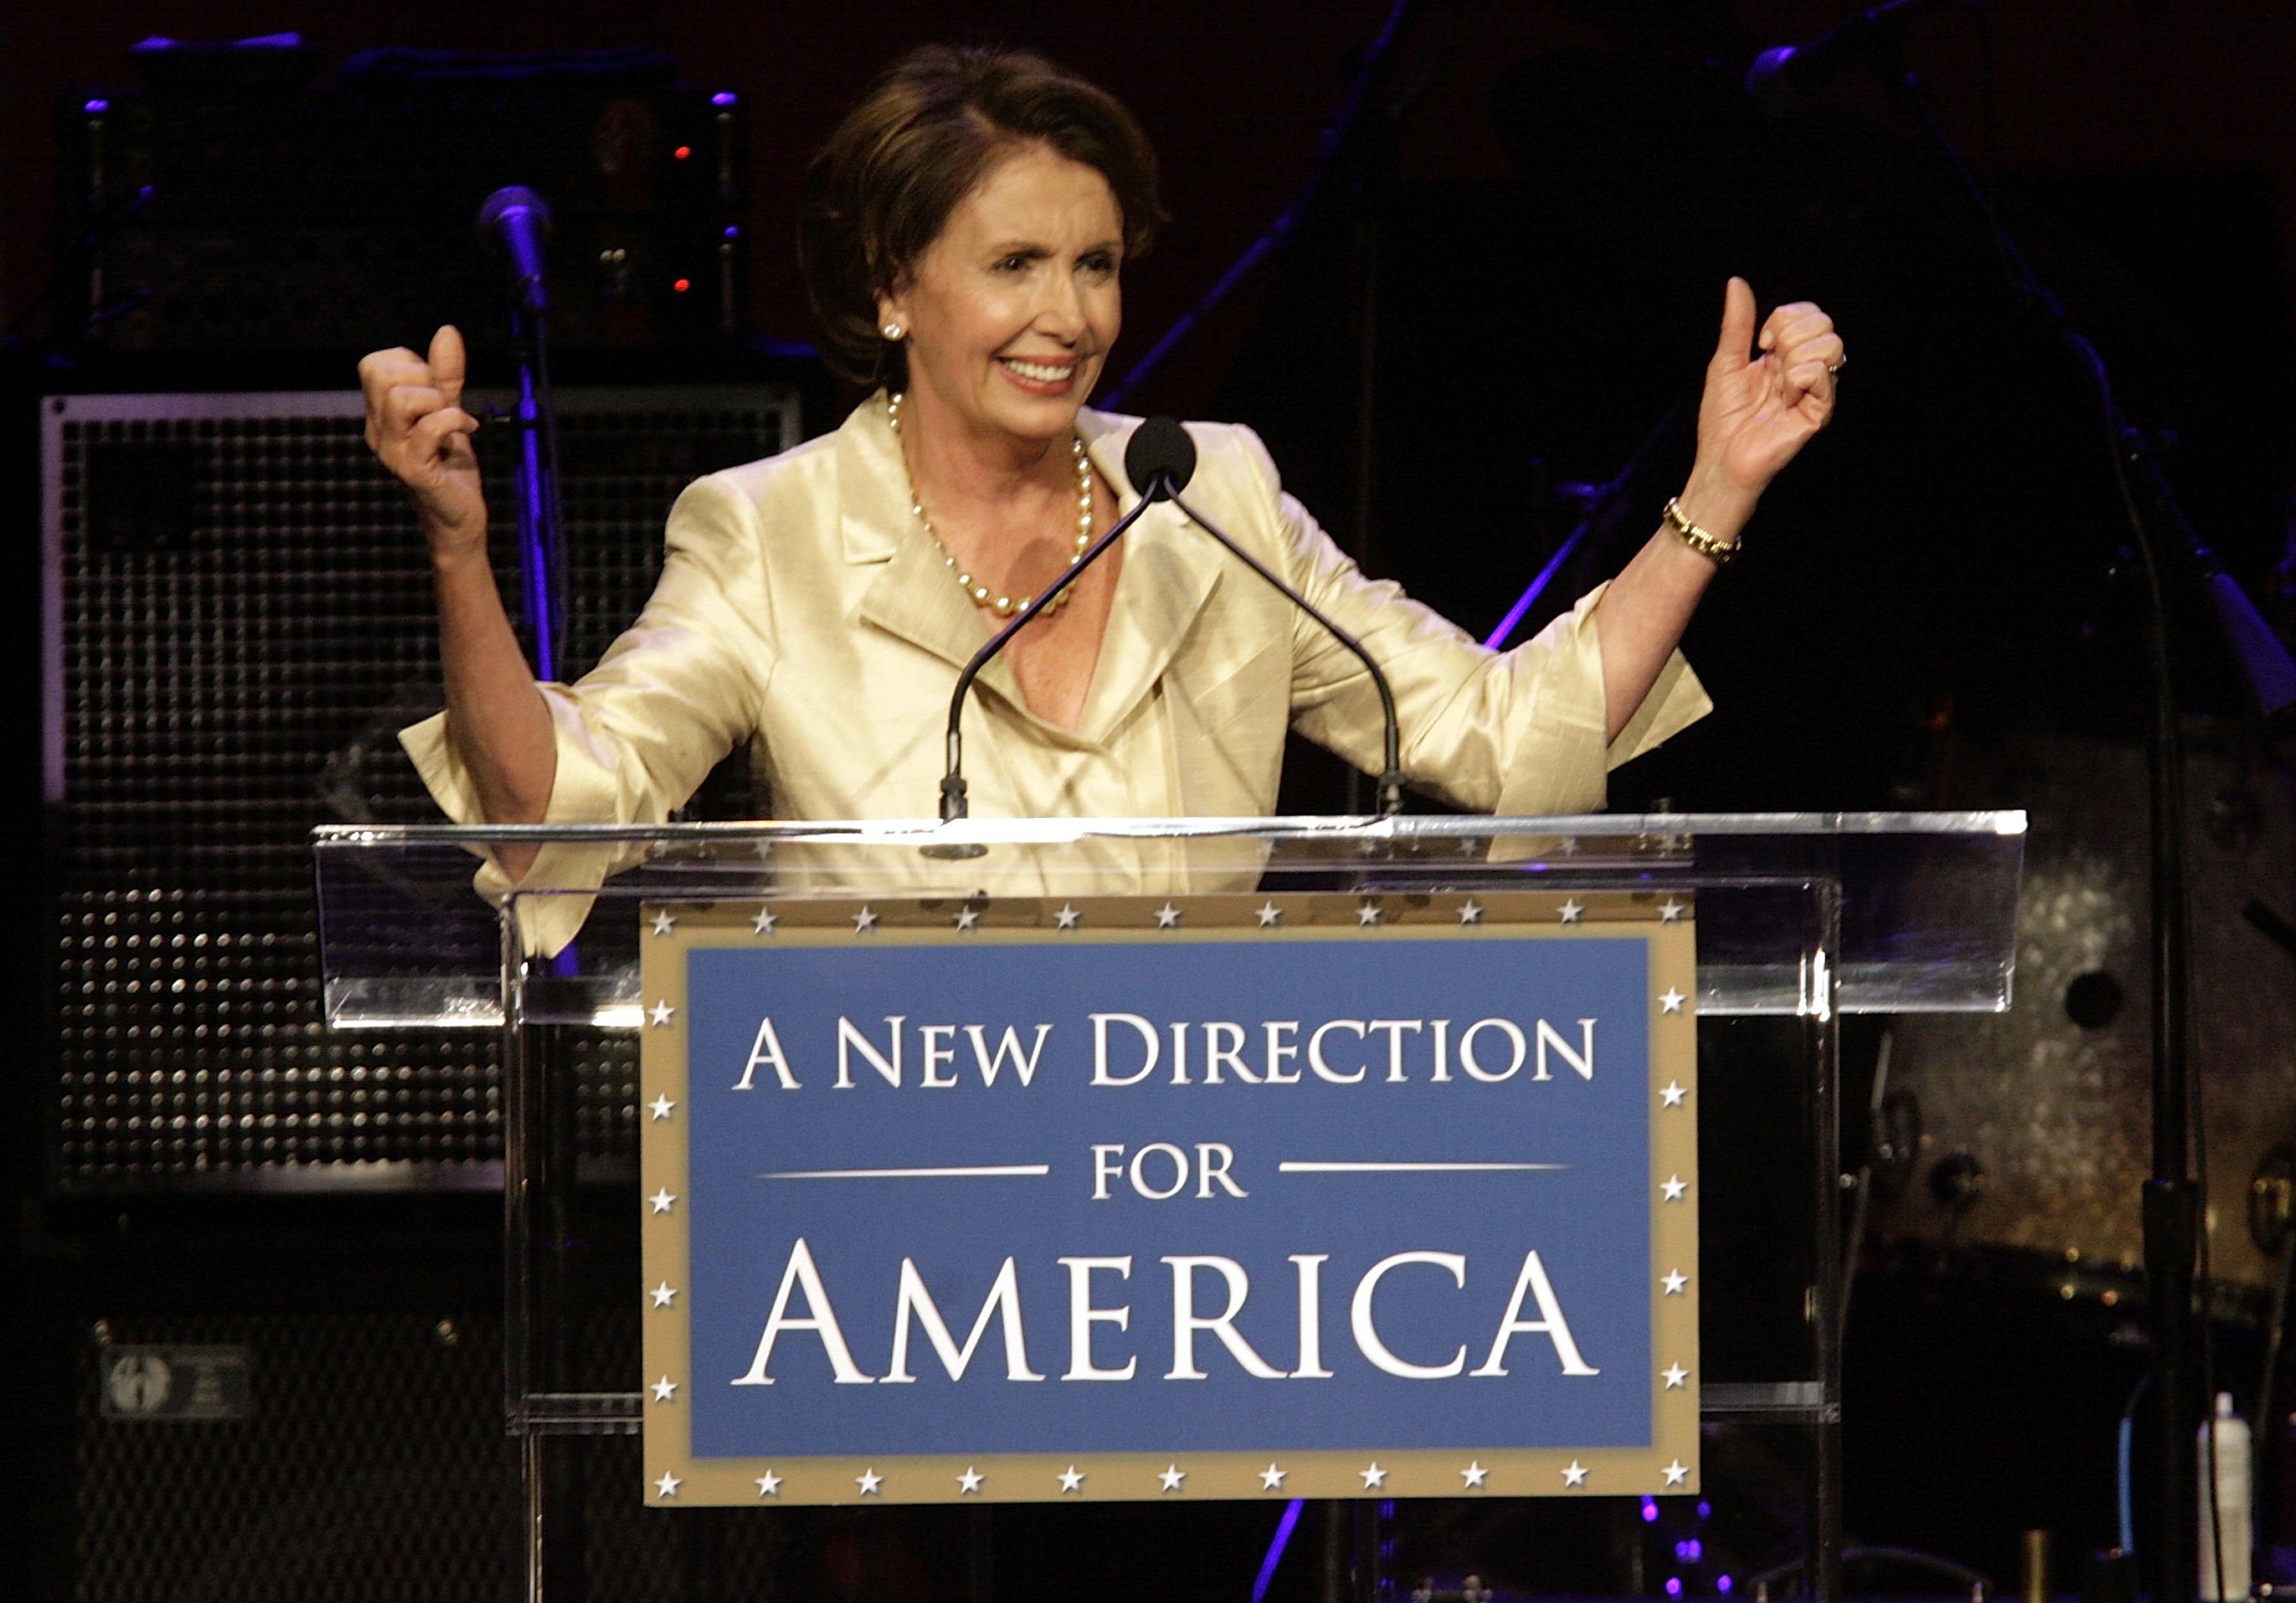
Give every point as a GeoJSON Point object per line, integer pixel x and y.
{"type": "Point", "coordinates": [1670, 1464]}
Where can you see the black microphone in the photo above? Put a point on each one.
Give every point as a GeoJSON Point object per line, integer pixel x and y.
{"type": "Point", "coordinates": [516, 221]}
{"type": "Point", "coordinates": [1781, 80]}
{"type": "Point", "coordinates": [1160, 459]}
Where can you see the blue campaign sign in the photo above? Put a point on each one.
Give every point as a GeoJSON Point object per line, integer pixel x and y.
{"type": "Point", "coordinates": [1237, 1188]}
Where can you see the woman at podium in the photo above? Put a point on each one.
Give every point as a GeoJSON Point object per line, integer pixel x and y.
{"type": "Point", "coordinates": [964, 237]}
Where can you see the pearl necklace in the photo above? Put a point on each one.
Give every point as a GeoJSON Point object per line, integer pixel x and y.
{"type": "Point", "coordinates": [1005, 606]}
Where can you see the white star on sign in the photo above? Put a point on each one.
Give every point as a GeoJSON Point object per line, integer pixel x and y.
{"type": "Point", "coordinates": [1673, 1092]}
{"type": "Point", "coordinates": [668, 1485]}
{"type": "Point", "coordinates": [661, 1200]}
{"type": "Point", "coordinates": [763, 924]}
{"type": "Point", "coordinates": [663, 923]}
{"type": "Point", "coordinates": [1678, 1473]}
{"type": "Point", "coordinates": [869, 1480]}
{"type": "Point", "coordinates": [1168, 917]}
{"type": "Point", "coordinates": [663, 1293]}
{"type": "Point", "coordinates": [1674, 1376]}
{"type": "Point", "coordinates": [1675, 1282]}
{"type": "Point", "coordinates": [865, 921]}
{"type": "Point", "coordinates": [1067, 918]}
{"type": "Point", "coordinates": [1473, 1473]}
{"type": "Point", "coordinates": [1271, 1478]}
{"type": "Point", "coordinates": [661, 1013]}
{"type": "Point", "coordinates": [1571, 910]}
{"type": "Point", "coordinates": [1270, 915]}
{"type": "Point", "coordinates": [1374, 1476]}
{"type": "Point", "coordinates": [664, 1389]}
{"type": "Point", "coordinates": [1674, 1188]}
{"type": "Point", "coordinates": [769, 1484]}
{"type": "Point", "coordinates": [1367, 915]}
{"type": "Point", "coordinates": [1575, 1474]}
{"type": "Point", "coordinates": [968, 1485]}
{"type": "Point", "coordinates": [1071, 1479]}
{"type": "Point", "coordinates": [1669, 911]}
{"type": "Point", "coordinates": [1171, 1474]}
{"type": "Point", "coordinates": [659, 1107]}
{"type": "Point", "coordinates": [1672, 1000]}
{"type": "Point", "coordinates": [1471, 912]}
{"type": "Point", "coordinates": [967, 917]}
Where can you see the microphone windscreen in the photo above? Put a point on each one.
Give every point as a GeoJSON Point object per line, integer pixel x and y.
{"type": "Point", "coordinates": [503, 202]}
{"type": "Point", "coordinates": [1159, 450]}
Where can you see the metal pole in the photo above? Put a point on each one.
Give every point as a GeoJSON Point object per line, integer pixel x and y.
{"type": "Point", "coordinates": [518, 1236]}
{"type": "Point", "coordinates": [1831, 1281]}
{"type": "Point", "coordinates": [538, 535]}
{"type": "Point", "coordinates": [2171, 1203]}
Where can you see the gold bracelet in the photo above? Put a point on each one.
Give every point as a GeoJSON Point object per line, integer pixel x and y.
{"type": "Point", "coordinates": [1711, 546]}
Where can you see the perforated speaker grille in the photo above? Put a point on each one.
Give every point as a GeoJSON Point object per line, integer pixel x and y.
{"type": "Point", "coordinates": [239, 620]}
{"type": "Point", "coordinates": [370, 1463]}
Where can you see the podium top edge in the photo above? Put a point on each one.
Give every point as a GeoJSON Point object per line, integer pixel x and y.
{"type": "Point", "coordinates": [1054, 831]}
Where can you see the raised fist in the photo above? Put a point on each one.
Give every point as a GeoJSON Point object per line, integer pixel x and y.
{"type": "Point", "coordinates": [416, 426]}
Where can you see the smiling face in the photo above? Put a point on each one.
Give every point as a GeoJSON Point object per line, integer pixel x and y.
{"type": "Point", "coordinates": [1012, 309]}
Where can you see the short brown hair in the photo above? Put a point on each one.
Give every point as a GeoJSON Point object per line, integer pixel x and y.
{"type": "Point", "coordinates": [879, 192]}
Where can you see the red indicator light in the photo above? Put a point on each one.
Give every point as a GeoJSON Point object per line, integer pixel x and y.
{"type": "Point", "coordinates": [682, 152]}
{"type": "Point", "coordinates": [683, 285]}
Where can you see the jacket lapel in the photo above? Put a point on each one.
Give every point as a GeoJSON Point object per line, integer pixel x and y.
{"type": "Point", "coordinates": [912, 594]}
{"type": "Point", "coordinates": [1171, 571]}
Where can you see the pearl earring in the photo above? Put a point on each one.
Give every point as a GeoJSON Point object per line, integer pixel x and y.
{"type": "Point", "coordinates": [893, 331]}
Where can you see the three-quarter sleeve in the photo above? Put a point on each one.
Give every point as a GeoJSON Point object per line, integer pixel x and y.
{"type": "Point", "coordinates": [1518, 732]}
{"type": "Point", "coordinates": [637, 734]}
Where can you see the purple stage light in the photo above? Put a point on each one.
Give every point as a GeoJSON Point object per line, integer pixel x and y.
{"type": "Point", "coordinates": [1674, 1586]}
{"type": "Point", "coordinates": [1650, 1511]}
{"type": "Point", "coordinates": [1705, 1508]}
{"type": "Point", "coordinates": [1284, 1529]}
{"type": "Point", "coordinates": [732, 232]}
{"type": "Point", "coordinates": [1722, 1584]}
{"type": "Point", "coordinates": [723, 97]}
{"type": "Point", "coordinates": [96, 107]}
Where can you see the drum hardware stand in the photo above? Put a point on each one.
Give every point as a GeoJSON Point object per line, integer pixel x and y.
{"type": "Point", "coordinates": [2168, 547]}
{"type": "Point", "coordinates": [1978, 1588]}
{"type": "Point", "coordinates": [1879, 1152]}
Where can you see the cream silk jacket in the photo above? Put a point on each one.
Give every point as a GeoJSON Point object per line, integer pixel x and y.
{"type": "Point", "coordinates": [802, 612]}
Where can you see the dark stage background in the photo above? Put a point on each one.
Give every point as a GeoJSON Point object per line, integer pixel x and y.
{"type": "Point", "coordinates": [1929, 615]}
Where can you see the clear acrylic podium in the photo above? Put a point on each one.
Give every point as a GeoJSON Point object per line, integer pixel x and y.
{"type": "Point", "coordinates": [1800, 916]}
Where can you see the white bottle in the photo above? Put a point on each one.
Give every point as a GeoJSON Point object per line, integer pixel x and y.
{"type": "Point", "coordinates": [2229, 1517]}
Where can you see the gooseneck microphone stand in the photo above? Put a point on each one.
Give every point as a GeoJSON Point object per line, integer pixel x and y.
{"type": "Point", "coordinates": [954, 802]}
{"type": "Point", "coordinates": [1159, 461]}
{"type": "Point", "coordinates": [2168, 548]}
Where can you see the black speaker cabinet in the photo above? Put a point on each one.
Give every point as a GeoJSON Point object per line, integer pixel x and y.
{"type": "Point", "coordinates": [237, 619]}
{"type": "Point", "coordinates": [236, 1399]}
